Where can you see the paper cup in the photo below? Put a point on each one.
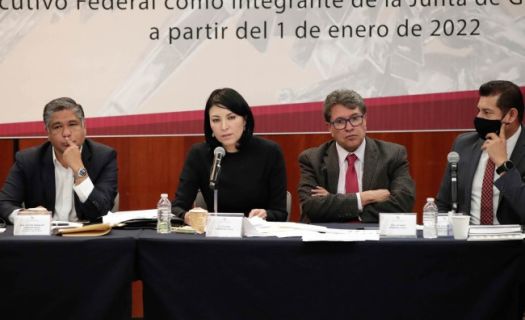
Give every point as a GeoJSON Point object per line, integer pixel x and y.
{"type": "Point", "coordinates": [460, 226]}
{"type": "Point", "coordinates": [197, 219]}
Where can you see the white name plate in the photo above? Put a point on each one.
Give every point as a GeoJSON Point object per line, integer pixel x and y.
{"type": "Point", "coordinates": [227, 225]}
{"type": "Point", "coordinates": [32, 223]}
{"type": "Point", "coordinates": [397, 225]}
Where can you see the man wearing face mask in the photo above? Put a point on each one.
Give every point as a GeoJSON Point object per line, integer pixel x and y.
{"type": "Point", "coordinates": [491, 169]}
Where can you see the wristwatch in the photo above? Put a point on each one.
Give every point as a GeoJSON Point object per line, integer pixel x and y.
{"type": "Point", "coordinates": [81, 173]}
{"type": "Point", "coordinates": [506, 166]}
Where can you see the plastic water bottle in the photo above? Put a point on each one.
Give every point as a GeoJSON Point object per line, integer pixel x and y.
{"type": "Point", "coordinates": [430, 211]}
{"type": "Point", "coordinates": [164, 214]}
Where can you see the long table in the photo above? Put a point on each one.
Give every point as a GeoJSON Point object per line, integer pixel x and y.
{"type": "Point", "coordinates": [55, 277]}
{"type": "Point", "coordinates": [193, 277]}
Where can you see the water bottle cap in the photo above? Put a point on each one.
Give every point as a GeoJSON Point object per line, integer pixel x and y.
{"type": "Point", "coordinates": [163, 195]}
{"type": "Point", "coordinates": [430, 199]}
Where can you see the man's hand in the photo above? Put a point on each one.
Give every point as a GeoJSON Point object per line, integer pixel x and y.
{"type": "Point", "coordinates": [258, 213]}
{"type": "Point", "coordinates": [372, 196]}
{"type": "Point", "coordinates": [72, 157]}
{"type": "Point", "coordinates": [319, 192]}
{"type": "Point", "coordinates": [496, 146]}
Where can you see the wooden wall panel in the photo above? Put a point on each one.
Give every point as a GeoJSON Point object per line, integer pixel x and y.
{"type": "Point", "coordinates": [148, 167]}
{"type": "Point", "coordinates": [30, 142]}
{"type": "Point", "coordinates": [6, 158]}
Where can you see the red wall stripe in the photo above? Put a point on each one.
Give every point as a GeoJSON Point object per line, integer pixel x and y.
{"type": "Point", "coordinates": [438, 111]}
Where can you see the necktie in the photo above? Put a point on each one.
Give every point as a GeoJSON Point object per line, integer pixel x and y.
{"type": "Point", "coordinates": [351, 184]}
{"type": "Point", "coordinates": [487, 208]}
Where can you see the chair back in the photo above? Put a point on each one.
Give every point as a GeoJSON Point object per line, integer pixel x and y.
{"type": "Point", "coordinates": [116, 203]}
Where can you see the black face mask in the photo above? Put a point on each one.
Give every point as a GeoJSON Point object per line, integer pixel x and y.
{"type": "Point", "coordinates": [485, 126]}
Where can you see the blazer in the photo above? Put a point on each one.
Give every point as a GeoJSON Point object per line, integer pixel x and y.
{"type": "Point", "coordinates": [511, 185]}
{"type": "Point", "coordinates": [385, 167]}
{"type": "Point", "coordinates": [31, 181]}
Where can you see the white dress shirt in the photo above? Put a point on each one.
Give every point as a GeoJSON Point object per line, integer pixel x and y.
{"type": "Point", "coordinates": [477, 182]}
{"type": "Point", "coordinates": [64, 188]}
{"type": "Point", "coordinates": [343, 166]}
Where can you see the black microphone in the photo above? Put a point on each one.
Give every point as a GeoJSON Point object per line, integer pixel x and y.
{"type": "Point", "coordinates": [218, 153]}
{"type": "Point", "coordinates": [453, 159]}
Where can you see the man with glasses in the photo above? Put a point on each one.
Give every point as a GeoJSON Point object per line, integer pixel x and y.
{"type": "Point", "coordinates": [72, 176]}
{"type": "Point", "coordinates": [352, 178]}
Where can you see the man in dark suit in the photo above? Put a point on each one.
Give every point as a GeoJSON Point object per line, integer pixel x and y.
{"type": "Point", "coordinates": [353, 177]}
{"type": "Point", "coordinates": [72, 176]}
{"type": "Point", "coordinates": [491, 169]}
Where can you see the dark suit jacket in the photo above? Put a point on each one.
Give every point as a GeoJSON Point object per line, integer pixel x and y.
{"type": "Point", "coordinates": [511, 185]}
{"type": "Point", "coordinates": [31, 181]}
{"type": "Point", "coordinates": [385, 167]}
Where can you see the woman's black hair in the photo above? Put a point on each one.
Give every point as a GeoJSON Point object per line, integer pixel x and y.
{"type": "Point", "coordinates": [229, 99]}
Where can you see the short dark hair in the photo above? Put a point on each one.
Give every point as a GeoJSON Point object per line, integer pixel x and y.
{"type": "Point", "coordinates": [510, 95]}
{"type": "Point", "coordinates": [60, 104]}
{"type": "Point", "coordinates": [233, 101]}
{"type": "Point", "coordinates": [347, 98]}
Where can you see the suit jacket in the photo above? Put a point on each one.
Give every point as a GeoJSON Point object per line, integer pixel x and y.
{"type": "Point", "coordinates": [385, 167]}
{"type": "Point", "coordinates": [511, 185]}
{"type": "Point", "coordinates": [31, 181]}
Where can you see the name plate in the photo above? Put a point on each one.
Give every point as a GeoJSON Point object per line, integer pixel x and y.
{"type": "Point", "coordinates": [397, 225]}
{"type": "Point", "coordinates": [226, 225]}
{"type": "Point", "coordinates": [32, 223]}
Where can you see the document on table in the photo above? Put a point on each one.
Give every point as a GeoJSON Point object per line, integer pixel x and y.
{"type": "Point", "coordinates": [257, 227]}
{"type": "Point", "coordinates": [114, 218]}
{"type": "Point", "coordinates": [495, 229]}
{"type": "Point", "coordinates": [496, 237]}
{"type": "Point", "coordinates": [495, 232]}
{"type": "Point", "coordinates": [343, 235]}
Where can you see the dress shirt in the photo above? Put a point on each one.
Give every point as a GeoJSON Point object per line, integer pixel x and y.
{"type": "Point", "coordinates": [65, 185]}
{"type": "Point", "coordinates": [477, 182]}
{"type": "Point", "coordinates": [343, 166]}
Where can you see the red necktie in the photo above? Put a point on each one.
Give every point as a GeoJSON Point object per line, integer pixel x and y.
{"type": "Point", "coordinates": [351, 185]}
{"type": "Point", "coordinates": [487, 208]}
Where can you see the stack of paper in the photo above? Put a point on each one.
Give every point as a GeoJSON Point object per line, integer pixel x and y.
{"type": "Point", "coordinates": [257, 227]}
{"type": "Point", "coordinates": [116, 218]}
{"type": "Point", "coordinates": [343, 235]}
{"type": "Point", "coordinates": [495, 232]}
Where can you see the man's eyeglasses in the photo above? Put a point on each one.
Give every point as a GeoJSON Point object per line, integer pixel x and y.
{"type": "Point", "coordinates": [340, 123]}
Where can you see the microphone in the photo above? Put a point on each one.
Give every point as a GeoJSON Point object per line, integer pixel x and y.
{"type": "Point", "coordinates": [453, 159]}
{"type": "Point", "coordinates": [218, 153]}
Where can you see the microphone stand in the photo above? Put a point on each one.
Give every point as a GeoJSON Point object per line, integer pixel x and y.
{"type": "Point", "coordinates": [215, 198]}
{"type": "Point", "coordinates": [214, 178]}
{"type": "Point", "coordinates": [454, 186]}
